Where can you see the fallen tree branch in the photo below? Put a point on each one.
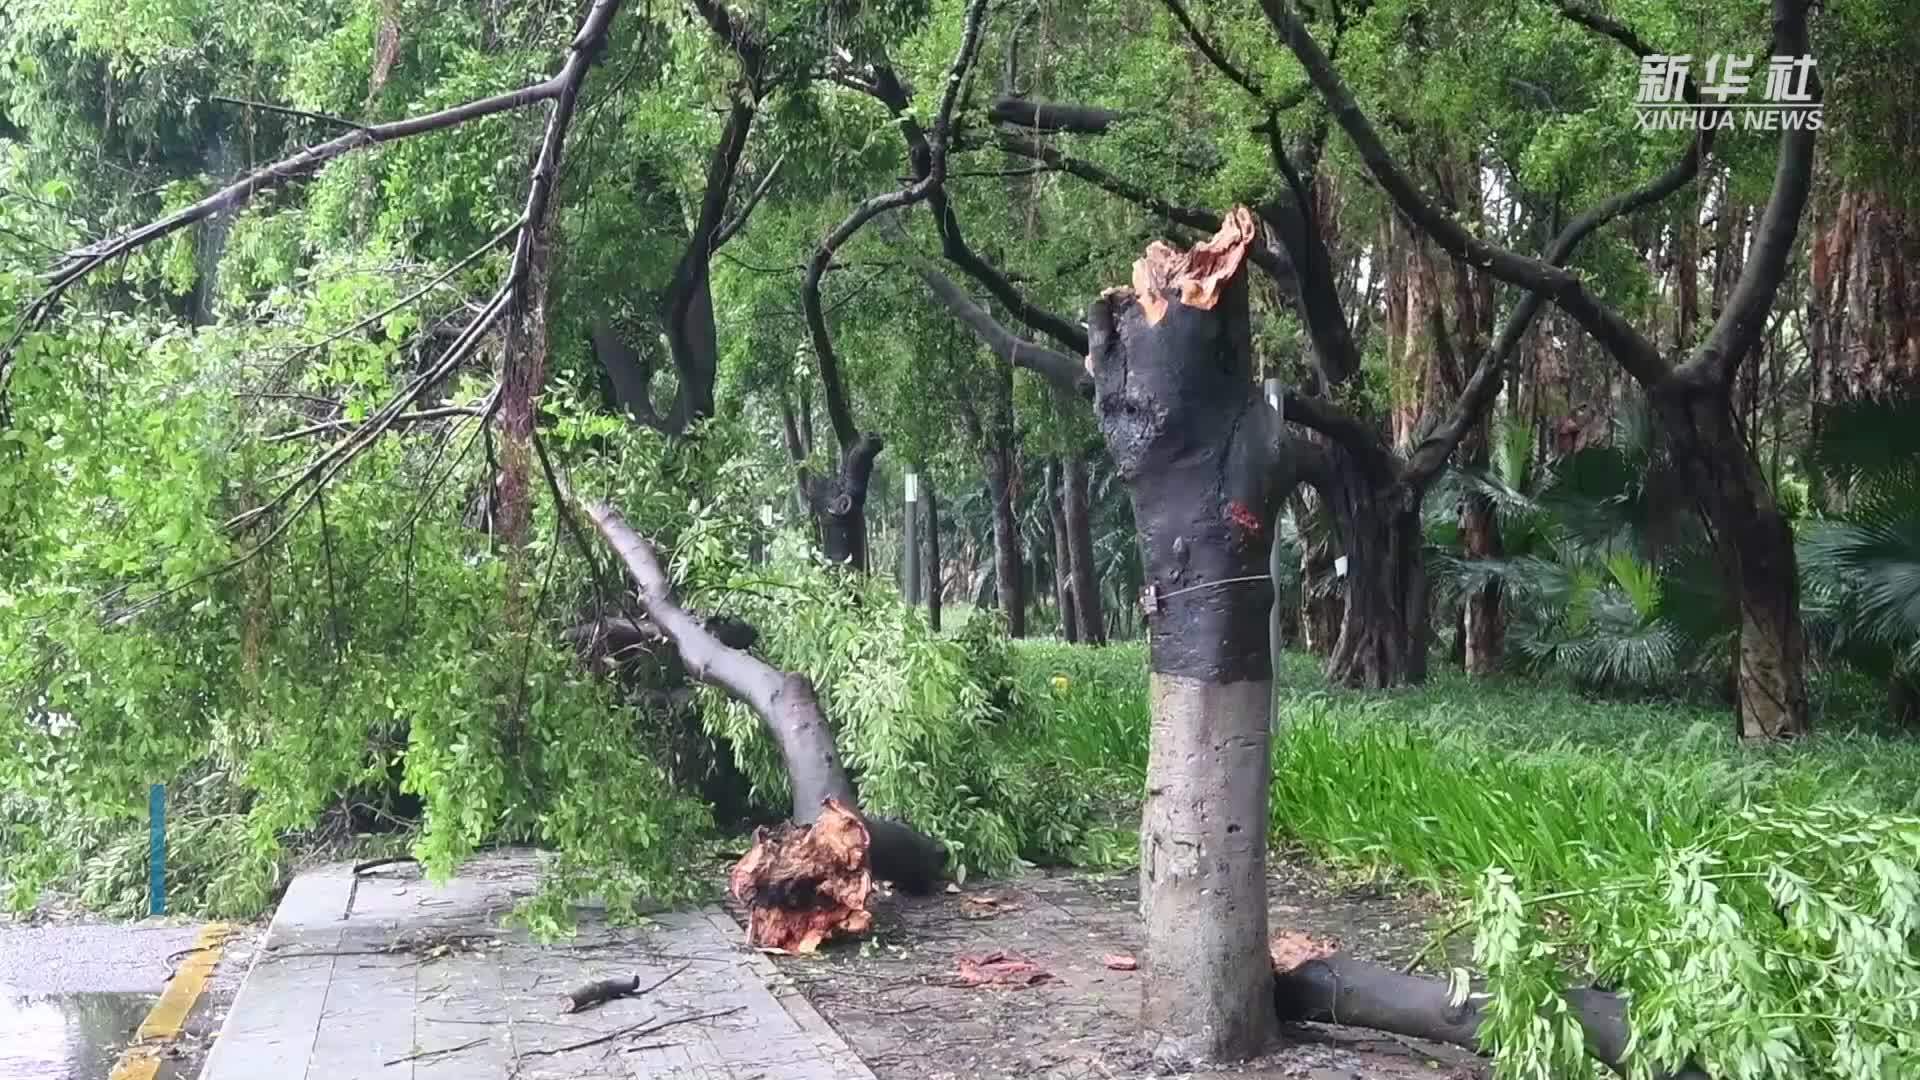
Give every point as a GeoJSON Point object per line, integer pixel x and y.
{"type": "Point", "coordinates": [644, 1027]}
{"type": "Point", "coordinates": [422, 1055]}
{"type": "Point", "coordinates": [420, 417]}
{"type": "Point", "coordinates": [595, 994]}
{"type": "Point", "coordinates": [786, 704]}
{"type": "Point", "coordinates": [466, 260]}
{"type": "Point", "coordinates": [1313, 981]}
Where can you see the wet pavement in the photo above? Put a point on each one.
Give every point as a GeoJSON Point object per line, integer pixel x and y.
{"type": "Point", "coordinates": [66, 1036]}
{"type": "Point", "coordinates": [71, 997]}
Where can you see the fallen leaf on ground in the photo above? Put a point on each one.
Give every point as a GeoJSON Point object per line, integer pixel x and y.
{"type": "Point", "coordinates": [1121, 962]}
{"type": "Point", "coordinates": [1291, 949]}
{"type": "Point", "coordinates": [1000, 969]}
{"type": "Point", "coordinates": [952, 888]}
{"type": "Point", "coordinates": [979, 907]}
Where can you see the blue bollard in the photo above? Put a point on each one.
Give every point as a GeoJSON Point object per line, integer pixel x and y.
{"type": "Point", "coordinates": [157, 844]}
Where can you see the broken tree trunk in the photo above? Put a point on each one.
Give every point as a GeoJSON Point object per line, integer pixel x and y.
{"type": "Point", "coordinates": [1313, 981]}
{"type": "Point", "coordinates": [790, 710]}
{"type": "Point", "coordinates": [1177, 405]}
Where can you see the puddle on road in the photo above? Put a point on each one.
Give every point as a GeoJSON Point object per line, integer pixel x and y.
{"type": "Point", "coordinates": [66, 1036]}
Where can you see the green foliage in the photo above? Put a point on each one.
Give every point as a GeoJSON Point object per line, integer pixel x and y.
{"type": "Point", "coordinates": [1630, 846]}
{"type": "Point", "coordinates": [361, 658]}
{"type": "Point", "coordinates": [914, 714]}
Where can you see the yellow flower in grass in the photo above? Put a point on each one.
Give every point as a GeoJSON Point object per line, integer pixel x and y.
{"type": "Point", "coordinates": [1060, 684]}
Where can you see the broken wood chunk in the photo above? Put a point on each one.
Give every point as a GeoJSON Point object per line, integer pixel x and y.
{"type": "Point", "coordinates": [804, 885]}
{"type": "Point", "coordinates": [1000, 969]}
{"type": "Point", "coordinates": [1290, 949]}
{"type": "Point", "coordinates": [1120, 962]}
{"type": "Point", "coordinates": [601, 992]}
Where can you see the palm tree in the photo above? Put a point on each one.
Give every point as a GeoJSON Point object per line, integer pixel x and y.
{"type": "Point", "coordinates": [1606, 568]}
{"type": "Point", "coordinates": [1862, 563]}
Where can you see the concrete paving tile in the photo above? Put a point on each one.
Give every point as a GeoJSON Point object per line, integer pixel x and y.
{"type": "Point", "coordinates": [344, 1017]}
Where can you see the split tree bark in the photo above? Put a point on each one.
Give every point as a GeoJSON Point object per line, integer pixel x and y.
{"type": "Point", "coordinates": [786, 705]}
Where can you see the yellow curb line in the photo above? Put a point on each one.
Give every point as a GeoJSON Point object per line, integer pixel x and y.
{"type": "Point", "coordinates": [163, 1023]}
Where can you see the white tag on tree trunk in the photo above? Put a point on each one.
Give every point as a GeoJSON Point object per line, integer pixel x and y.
{"type": "Point", "coordinates": [1340, 566]}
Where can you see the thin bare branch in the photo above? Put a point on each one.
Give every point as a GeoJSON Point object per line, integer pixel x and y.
{"type": "Point", "coordinates": [283, 110]}
{"type": "Point", "coordinates": [465, 261]}
{"type": "Point", "coordinates": [739, 219]}
{"type": "Point", "coordinates": [420, 417]}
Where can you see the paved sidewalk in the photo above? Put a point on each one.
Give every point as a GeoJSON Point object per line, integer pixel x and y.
{"type": "Point", "coordinates": [390, 978]}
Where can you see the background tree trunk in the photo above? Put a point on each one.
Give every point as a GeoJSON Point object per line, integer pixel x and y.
{"type": "Point", "coordinates": [935, 574]}
{"type": "Point", "coordinates": [1383, 625]}
{"type": "Point", "coordinates": [1062, 562]}
{"type": "Point", "coordinates": [1008, 575]}
{"type": "Point", "coordinates": [1086, 580]}
{"type": "Point", "coordinates": [1320, 592]}
{"type": "Point", "coordinates": [994, 436]}
{"type": "Point", "coordinates": [1484, 629]}
{"type": "Point", "coordinates": [1756, 550]}
{"type": "Point", "coordinates": [1864, 315]}
{"type": "Point", "coordinates": [1191, 438]}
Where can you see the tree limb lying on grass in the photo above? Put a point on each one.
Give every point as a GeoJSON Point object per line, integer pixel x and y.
{"type": "Point", "coordinates": [1314, 982]}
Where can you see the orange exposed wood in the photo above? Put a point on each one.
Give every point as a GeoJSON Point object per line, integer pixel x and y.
{"type": "Point", "coordinates": [1198, 274]}
{"type": "Point", "coordinates": [804, 885]}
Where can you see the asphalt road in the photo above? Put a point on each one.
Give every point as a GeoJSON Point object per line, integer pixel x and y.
{"type": "Point", "coordinates": [71, 996]}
